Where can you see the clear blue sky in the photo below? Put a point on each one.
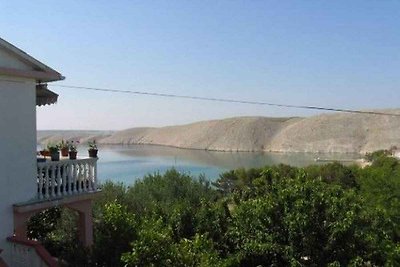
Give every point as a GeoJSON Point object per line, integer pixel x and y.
{"type": "Point", "coordinates": [331, 53]}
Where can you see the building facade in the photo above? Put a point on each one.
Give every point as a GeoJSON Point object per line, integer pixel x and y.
{"type": "Point", "coordinates": [26, 186]}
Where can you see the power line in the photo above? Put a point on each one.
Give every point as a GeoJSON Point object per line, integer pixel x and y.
{"type": "Point", "coordinates": [226, 100]}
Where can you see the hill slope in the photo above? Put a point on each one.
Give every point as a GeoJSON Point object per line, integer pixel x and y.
{"type": "Point", "coordinates": [344, 133]}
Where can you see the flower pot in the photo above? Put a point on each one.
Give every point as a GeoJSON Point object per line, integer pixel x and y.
{"type": "Point", "coordinates": [55, 156]}
{"type": "Point", "coordinates": [64, 152]}
{"type": "Point", "coordinates": [45, 153]}
{"type": "Point", "coordinates": [93, 153]}
{"type": "Point", "coordinates": [72, 154]}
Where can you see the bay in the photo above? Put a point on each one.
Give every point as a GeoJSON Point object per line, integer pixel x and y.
{"type": "Point", "coordinates": [128, 163]}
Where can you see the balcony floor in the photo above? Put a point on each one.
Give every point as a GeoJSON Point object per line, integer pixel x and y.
{"type": "Point", "coordinates": [42, 204]}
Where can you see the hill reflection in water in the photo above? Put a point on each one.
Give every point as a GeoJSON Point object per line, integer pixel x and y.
{"type": "Point", "coordinates": [128, 163]}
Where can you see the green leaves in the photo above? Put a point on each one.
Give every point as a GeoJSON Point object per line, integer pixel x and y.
{"type": "Point", "coordinates": [305, 221]}
{"type": "Point", "coordinates": [329, 215]}
{"type": "Point", "coordinates": [114, 232]}
{"type": "Point", "coordinates": [153, 246]}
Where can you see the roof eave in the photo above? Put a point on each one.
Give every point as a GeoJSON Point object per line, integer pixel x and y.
{"type": "Point", "coordinates": [41, 72]}
{"type": "Point", "coordinates": [39, 76]}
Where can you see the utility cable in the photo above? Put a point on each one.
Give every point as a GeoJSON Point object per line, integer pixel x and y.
{"type": "Point", "coordinates": [226, 100]}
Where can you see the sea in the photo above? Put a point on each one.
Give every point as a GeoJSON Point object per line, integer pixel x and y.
{"type": "Point", "coordinates": [127, 163]}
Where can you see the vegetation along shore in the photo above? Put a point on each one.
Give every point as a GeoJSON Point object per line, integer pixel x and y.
{"type": "Point", "coordinates": [329, 215]}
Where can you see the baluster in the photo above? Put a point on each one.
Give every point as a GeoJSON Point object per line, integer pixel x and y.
{"type": "Point", "coordinates": [84, 176]}
{"type": "Point", "coordinates": [73, 180]}
{"type": "Point", "coordinates": [68, 180]}
{"type": "Point", "coordinates": [58, 178]}
{"type": "Point", "coordinates": [40, 182]}
{"type": "Point", "coordinates": [64, 178]}
{"type": "Point", "coordinates": [81, 177]}
{"type": "Point", "coordinates": [78, 178]}
{"type": "Point", "coordinates": [90, 178]}
{"type": "Point", "coordinates": [53, 181]}
{"type": "Point", "coordinates": [90, 175]}
{"type": "Point", "coordinates": [76, 183]}
{"type": "Point", "coordinates": [83, 183]}
{"type": "Point", "coordinates": [95, 175]}
{"type": "Point", "coordinates": [46, 182]}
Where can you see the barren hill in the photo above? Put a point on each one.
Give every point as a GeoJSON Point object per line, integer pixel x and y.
{"type": "Point", "coordinates": [344, 133]}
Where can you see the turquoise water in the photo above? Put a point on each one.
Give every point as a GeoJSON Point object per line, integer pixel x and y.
{"type": "Point", "coordinates": [128, 163]}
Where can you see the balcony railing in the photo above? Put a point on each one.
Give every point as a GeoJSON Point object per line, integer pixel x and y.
{"type": "Point", "coordinates": [57, 179]}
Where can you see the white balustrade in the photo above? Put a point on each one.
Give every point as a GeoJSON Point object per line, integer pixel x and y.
{"type": "Point", "coordinates": [57, 179]}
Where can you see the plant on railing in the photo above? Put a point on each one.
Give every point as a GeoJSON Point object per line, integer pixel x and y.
{"type": "Point", "coordinates": [45, 153]}
{"type": "Point", "coordinates": [92, 149]}
{"type": "Point", "coordinates": [54, 151]}
{"type": "Point", "coordinates": [64, 148]}
{"type": "Point", "coordinates": [73, 151]}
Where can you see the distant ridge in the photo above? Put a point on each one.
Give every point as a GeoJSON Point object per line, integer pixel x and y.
{"type": "Point", "coordinates": [339, 132]}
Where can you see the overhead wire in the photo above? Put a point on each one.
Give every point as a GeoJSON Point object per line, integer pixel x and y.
{"type": "Point", "coordinates": [226, 100]}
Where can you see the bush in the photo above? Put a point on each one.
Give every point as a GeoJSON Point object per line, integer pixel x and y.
{"type": "Point", "coordinates": [329, 215]}
{"type": "Point", "coordinates": [305, 222]}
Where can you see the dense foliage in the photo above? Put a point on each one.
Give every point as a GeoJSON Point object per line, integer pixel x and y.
{"type": "Point", "coordinates": [327, 215]}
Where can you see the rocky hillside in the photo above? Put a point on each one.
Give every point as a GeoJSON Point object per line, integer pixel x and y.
{"type": "Point", "coordinates": [344, 133]}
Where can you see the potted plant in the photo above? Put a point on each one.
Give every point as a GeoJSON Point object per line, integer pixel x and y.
{"type": "Point", "coordinates": [64, 148]}
{"type": "Point", "coordinates": [92, 149]}
{"type": "Point", "coordinates": [45, 153]}
{"type": "Point", "coordinates": [54, 152]}
{"type": "Point", "coordinates": [72, 150]}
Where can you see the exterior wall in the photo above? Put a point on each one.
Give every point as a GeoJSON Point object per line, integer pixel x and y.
{"type": "Point", "coordinates": [9, 61]}
{"type": "Point", "coordinates": [23, 256]}
{"type": "Point", "coordinates": [17, 150]}
{"type": "Point", "coordinates": [29, 253]}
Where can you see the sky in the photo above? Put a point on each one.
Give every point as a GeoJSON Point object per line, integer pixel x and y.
{"type": "Point", "coordinates": [342, 54]}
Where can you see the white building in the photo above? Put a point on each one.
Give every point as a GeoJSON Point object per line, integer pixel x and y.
{"type": "Point", "coordinates": [26, 186]}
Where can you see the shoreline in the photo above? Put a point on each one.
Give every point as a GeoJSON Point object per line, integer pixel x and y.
{"type": "Point", "coordinates": [225, 150]}
{"type": "Point", "coordinates": [324, 133]}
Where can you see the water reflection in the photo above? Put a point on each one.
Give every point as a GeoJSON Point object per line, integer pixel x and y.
{"type": "Point", "coordinates": [128, 163]}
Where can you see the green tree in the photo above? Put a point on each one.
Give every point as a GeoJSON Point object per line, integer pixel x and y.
{"type": "Point", "coordinates": [380, 187]}
{"type": "Point", "coordinates": [114, 231]}
{"type": "Point", "coordinates": [305, 221]}
{"type": "Point", "coordinates": [330, 215]}
{"type": "Point", "coordinates": [335, 173]}
{"type": "Point", "coordinates": [153, 247]}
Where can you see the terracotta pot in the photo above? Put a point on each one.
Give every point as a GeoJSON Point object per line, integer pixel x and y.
{"type": "Point", "coordinates": [55, 156]}
{"type": "Point", "coordinates": [45, 153]}
{"type": "Point", "coordinates": [72, 154]}
{"type": "Point", "coordinates": [64, 152]}
{"type": "Point", "coordinates": [93, 153]}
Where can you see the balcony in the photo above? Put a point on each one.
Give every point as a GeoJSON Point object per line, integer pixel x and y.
{"type": "Point", "coordinates": [65, 178]}
{"type": "Point", "coordinates": [65, 183]}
